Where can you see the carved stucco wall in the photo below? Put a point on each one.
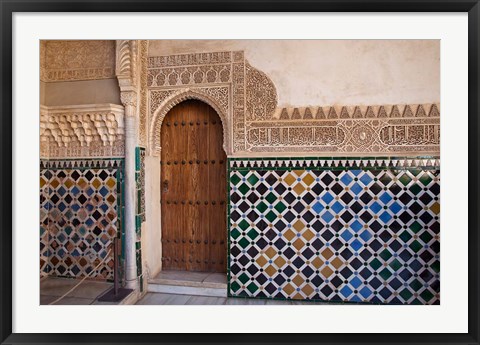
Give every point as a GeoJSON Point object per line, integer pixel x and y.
{"type": "Point", "coordinates": [247, 102]}
{"type": "Point", "coordinates": [68, 60]}
{"type": "Point", "coordinates": [80, 115]}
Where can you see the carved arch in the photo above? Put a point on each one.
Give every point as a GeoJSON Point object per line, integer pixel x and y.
{"type": "Point", "coordinates": [175, 98]}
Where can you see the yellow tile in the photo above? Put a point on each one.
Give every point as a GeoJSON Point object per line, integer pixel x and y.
{"type": "Point", "coordinates": [96, 183]}
{"type": "Point", "coordinates": [299, 188]}
{"type": "Point", "coordinates": [307, 290]}
{"type": "Point", "coordinates": [54, 183]}
{"type": "Point", "coordinates": [42, 182]}
{"type": "Point", "coordinates": [308, 179]}
{"type": "Point", "coordinates": [327, 253]}
{"type": "Point", "coordinates": [289, 235]}
{"type": "Point", "coordinates": [337, 263]}
{"type": "Point", "coordinates": [270, 270]}
{"type": "Point", "coordinates": [69, 183]}
{"type": "Point", "coordinates": [261, 261]}
{"type": "Point", "coordinates": [308, 235]}
{"type": "Point", "coordinates": [280, 261]}
{"type": "Point", "coordinates": [327, 272]}
{"type": "Point", "coordinates": [298, 280]}
{"type": "Point", "coordinates": [435, 208]}
{"type": "Point", "coordinates": [82, 183]}
{"type": "Point", "coordinates": [299, 226]}
{"type": "Point", "coordinates": [298, 296]}
{"type": "Point", "coordinates": [298, 172]}
{"type": "Point", "coordinates": [299, 244]}
{"type": "Point", "coordinates": [317, 262]}
{"type": "Point", "coordinates": [289, 289]}
{"type": "Point", "coordinates": [270, 252]}
{"type": "Point", "coordinates": [111, 182]}
{"type": "Point", "coordinates": [289, 179]}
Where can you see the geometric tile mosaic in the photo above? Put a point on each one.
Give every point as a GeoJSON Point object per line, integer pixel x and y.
{"type": "Point", "coordinates": [341, 235]}
{"type": "Point", "coordinates": [140, 209]}
{"type": "Point", "coordinates": [79, 217]}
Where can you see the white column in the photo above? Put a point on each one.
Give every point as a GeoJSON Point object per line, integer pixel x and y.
{"type": "Point", "coordinates": [130, 199]}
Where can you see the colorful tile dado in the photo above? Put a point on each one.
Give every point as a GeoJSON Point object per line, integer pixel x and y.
{"type": "Point", "coordinates": [364, 230]}
{"type": "Point", "coordinates": [140, 212]}
{"type": "Point", "coordinates": [79, 213]}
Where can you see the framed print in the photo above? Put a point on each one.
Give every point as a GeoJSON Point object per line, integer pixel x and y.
{"type": "Point", "coordinates": [242, 172]}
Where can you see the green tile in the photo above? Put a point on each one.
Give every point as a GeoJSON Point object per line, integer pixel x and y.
{"type": "Point", "coordinates": [244, 188]}
{"type": "Point", "coordinates": [385, 254]}
{"type": "Point", "coordinates": [234, 233]}
{"type": "Point", "coordinates": [253, 234]}
{"type": "Point", "coordinates": [234, 286]}
{"type": "Point", "coordinates": [271, 198]}
{"type": "Point", "coordinates": [271, 216]}
{"type": "Point", "coordinates": [244, 242]}
{"type": "Point", "coordinates": [415, 189]}
{"type": "Point", "coordinates": [416, 285]}
{"type": "Point", "coordinates": [243, 224]}
{"type": "Point", "coordinates": [405, 236]}
{"type": "Point", "coordinates": [375, 264]}
{"type": "Point", "coordinates": [405, 179]}
{"type": "Point", "coordinates": [395, 265]}
{"type": "Point", "coordinates": [262, 207]}
{"type": "Point", "coordinates": [425, 179]}
{"type": "Point", "coordinates": [243, 278]}
{"type": "Point", "coordinates": [252, 179]}
{"type": "Point", "coordinates": [252, 287]}
{"type": "Point", "coordinates": [416, 227]}
{"type": "Point", "coordinates": [385, 273]}
{"type": "Point", "coordinates": [406, 294]}
{"type": "Point", "coordinates": [426, 295]}
{"type": "Point", "coordinates": [234, 179]}
{"type": "Point", "coordinates": [426, 237]}
{"type": "Point", "coordinates": [416, 246]}
{"type": "Point", "coordinates": [280, 207]}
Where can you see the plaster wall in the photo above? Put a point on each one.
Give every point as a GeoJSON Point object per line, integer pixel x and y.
{"type": "Point", "coordinates": [80, 92]}
{"type": "Point", "coordinates": [151, 234]}
{"type": "Point", "coordinates": [331, 72]}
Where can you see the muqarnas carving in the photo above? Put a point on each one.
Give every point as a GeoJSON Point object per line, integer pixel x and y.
{"type": "Point", "coordinates": [82, 131]}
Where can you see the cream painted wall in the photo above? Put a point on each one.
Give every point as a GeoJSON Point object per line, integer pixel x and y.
{"type": "Point", "coordinates": [81, 92]}
{"type": "Point", "coordinates": [151, 234]}
{"type": "Point", "coordinates": [334, 72]}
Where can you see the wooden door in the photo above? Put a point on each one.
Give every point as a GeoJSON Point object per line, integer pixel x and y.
{"type": "Point", "coordinates": [193, 189]}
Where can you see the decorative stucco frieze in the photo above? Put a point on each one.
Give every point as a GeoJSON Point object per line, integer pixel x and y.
{"type": "Point", "coordinates": [247, 101]}
{"type": "Point", "coordinates": [82, 131]}
{"type": "Point", "coordinates": [358, 129]}
{"type": "Point", "coordinates": [73, 60]}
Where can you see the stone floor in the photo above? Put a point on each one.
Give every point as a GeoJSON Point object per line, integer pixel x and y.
{"type": "Point", "coordinates": [173, 299]}
{"type": "Point", "coordinates": [191, 278]}
{"type": "Point", "coordinates": [51, 288]}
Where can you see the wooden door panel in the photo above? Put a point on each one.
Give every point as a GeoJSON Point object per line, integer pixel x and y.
{"type": "Point", "coordinates": [193, 187]}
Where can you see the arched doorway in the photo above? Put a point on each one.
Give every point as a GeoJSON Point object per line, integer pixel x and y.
{"type": "Point", "coordinates": [193, 189]}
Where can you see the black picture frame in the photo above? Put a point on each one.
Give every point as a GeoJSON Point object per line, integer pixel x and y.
{"type": "Point", "coordinates": [8, 7]}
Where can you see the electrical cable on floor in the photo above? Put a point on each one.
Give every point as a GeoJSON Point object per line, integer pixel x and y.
{"type": "Point", "coordinates": [81, 281]}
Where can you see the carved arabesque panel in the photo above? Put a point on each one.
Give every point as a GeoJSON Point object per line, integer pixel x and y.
{"type": "Point", "coordinates": [246, 100]}
{"type": "Point", "coordinates": [70, 60]}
